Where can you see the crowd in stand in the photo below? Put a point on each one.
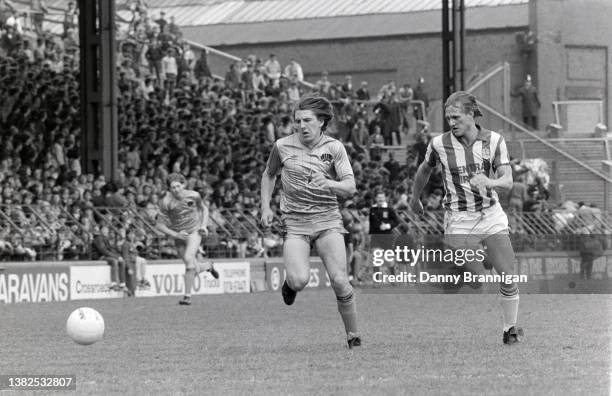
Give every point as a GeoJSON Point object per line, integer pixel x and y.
{"type": "Point", "coordinates": [174, 116]}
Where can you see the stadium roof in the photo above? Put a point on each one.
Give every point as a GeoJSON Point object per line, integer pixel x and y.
{"type": "Point", "coordinates": [210, 12]}
{"type": "Point", "coordinates": [214, 22]}
{"type": "Point", "coordinates": [244, 22]}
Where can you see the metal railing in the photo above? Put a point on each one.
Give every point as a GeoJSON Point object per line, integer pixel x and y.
{"type": "Point", "coordinates": [221, 60]}
{"type": "Point", "coordinates": [585, 113]}
{"type": "Point", "coordinates": [53, 233]}
{"type": "Point", "coordinates": [545, 142]}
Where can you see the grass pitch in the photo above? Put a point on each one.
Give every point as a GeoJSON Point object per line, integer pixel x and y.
{"type": "Point", "coordinates": [254, 344]}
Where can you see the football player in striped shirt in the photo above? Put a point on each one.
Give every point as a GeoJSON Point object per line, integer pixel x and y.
{"type": "Point", "coordinates": [183, 216]}
{"type": "Point", "coordinates": [314, 169]}
{"type": "Point", "coordinates": [474, 162]}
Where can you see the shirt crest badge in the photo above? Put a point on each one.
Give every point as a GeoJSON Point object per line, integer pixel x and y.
{"type": "Point", "coordinates": [327, 158]}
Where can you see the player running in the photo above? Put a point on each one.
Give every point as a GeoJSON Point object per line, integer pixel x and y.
{"type": "Point", "coordinates": [471, 157]}
{"type": "Point", "coordinates": [183, 216]}
{"type": "Point", "coordinates": [314, 168]}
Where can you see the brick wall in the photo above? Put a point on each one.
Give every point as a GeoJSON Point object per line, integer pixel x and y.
{"type": "Point", "coordinates": [402, 58]}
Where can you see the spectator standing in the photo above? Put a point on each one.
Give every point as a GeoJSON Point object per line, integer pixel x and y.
{"type": "Point", "coordinates": [363, 93]}
{"type": "Point", "coordinates": [405, 95]}
{"type": "Point", "coordinates": [39, 51]}
{"type": "Point", "coordinates": [530, 102]}
{"type": "Point", "coordinates": [232, 76]}
{"type": "Point", "coordinates": [189, 59]}
{"type": "Point", "coordinates": [202, 69]}
{"type": "Point", "coordinates": [169, 68]}
{"type": "Point", "coordinates": [360, 135]}
{"type": "Point", "coordinates": [383, 118]}
{"type": "Point", "coordinates": [323, 84]}
{"type": "Point", "coordinates": [294, 71]}
{"type": "Point", "coordinates": [396, 118]}
{"type": "Point", "coordinates": [273, 70]}
{"type": "Point", "coordinates": [38, 9]}
{"type": "Point", "coordinates": [376, 143]}
{"type": "Point", "coordinates": [161, 21]}
{"type": "Point", "coordinates": [247, 78]}
{"type": "Point", "coordinates": [420, 93]}
{"type": "Point", "coordinates": [154, 56]}
{"type": "Point", "coordinates": [70, 18]}
{"type": "Point", "coordinates": [347, 87]}
{"type": "Point", "coordinates": [259, 81]}
{"type": "Point", "coordinates": [174, 30]}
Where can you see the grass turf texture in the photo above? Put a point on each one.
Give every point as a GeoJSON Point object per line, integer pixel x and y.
{"type": "Point", "coordinates": [254, 344]}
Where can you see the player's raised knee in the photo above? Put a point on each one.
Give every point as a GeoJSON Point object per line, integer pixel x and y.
{"type": "Point", "coordinates": [298, 282]}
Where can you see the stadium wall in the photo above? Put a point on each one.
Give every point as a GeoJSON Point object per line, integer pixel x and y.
{"type": "Point", "coordinates": [401, 58]}
{"type": "Point", "coordinates": [573, 43]}
{"type": "Point", "coordinates": [548, 272]}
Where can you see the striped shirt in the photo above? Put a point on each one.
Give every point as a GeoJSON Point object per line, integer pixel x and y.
{"type": "Point", "coordinates": [297, 164]}
{"type": "Point", "coordinates": [186, 214]}
{"type": "Point", "coordinates": [460, 163]}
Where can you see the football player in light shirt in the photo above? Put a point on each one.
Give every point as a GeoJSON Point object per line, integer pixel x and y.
{"type": "Point", "coordinates": [314, 169]}
{"type": "Point", "coordinates": [183, 216]}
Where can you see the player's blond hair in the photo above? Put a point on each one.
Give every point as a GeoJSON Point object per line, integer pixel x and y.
{"type": "Point", "coordinates": [466, 101]}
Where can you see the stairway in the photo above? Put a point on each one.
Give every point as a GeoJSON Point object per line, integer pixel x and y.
{"type": "Point", "coordinates": [575, 182]}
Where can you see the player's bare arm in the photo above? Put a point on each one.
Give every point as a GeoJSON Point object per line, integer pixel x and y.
{"type": "Point", "coordinates": [267, 187]}
{"type": "Point", "coordinates": [420, 181]}
{"type": "Point", "coordinates": [343, 188]}
{"type": "Point", "coordinates": [503, 180]}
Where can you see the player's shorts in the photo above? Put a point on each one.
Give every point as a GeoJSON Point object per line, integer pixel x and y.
{"type": "Point", "coordinates": [181, 243]}
{"type": "Point", "coordinates": [310, 227]}
{"type": "Point", "coordinates": [469, 229]}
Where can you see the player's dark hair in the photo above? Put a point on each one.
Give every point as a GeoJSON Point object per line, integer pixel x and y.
{"type": "Point", "coordinates": [172, 177]}
{"type": "Point", "coordinates": [467, 102]}
{"type": "Point", "coordinates": [320, 106]}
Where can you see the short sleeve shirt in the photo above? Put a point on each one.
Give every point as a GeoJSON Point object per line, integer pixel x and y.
{"type": "Point", "coordinates": [185, 214]}
{"type": "Point", "coordinates": [297, 164]}
{"type": "Point", "coordinates": [460, 163]}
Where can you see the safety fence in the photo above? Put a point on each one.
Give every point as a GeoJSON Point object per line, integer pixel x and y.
{"type": "Point", "coordinates": [47, 232]}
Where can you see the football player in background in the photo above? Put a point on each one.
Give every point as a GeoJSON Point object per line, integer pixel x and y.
{"type": "Point", "coordinates": [183, 216]}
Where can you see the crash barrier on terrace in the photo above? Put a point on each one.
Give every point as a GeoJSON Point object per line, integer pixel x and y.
{"type": "Point", "coordinates": [45, 232]}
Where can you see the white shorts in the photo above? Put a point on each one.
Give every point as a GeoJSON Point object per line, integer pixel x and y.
{"type": "Point", "coordinates": [471, 228]}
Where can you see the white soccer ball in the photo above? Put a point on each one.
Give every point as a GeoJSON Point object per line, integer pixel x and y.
{"type": "Point", "coordinates": [85, 326]}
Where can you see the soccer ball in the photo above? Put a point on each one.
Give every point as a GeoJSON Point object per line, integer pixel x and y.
{"type": "Point", "coordinates": [85, 326]}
